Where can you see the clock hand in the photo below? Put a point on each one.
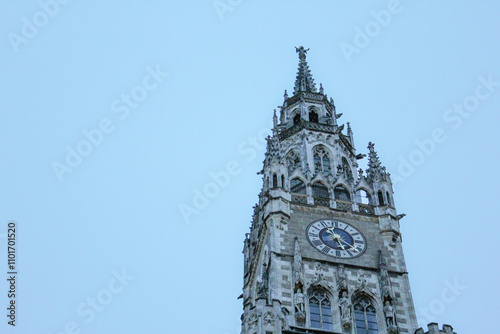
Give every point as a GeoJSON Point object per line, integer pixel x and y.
{"type": "Point", "coordinates": [352, 246]}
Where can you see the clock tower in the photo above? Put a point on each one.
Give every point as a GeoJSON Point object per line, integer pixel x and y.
{"type": "Point", "coordinates": [324, 251]}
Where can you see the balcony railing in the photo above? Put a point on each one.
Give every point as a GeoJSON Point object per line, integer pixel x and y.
{"type": "Point", "coordinates": [321, 201]}
{"type": "Point", "coordinates": [344, 206]}
{"type": "Point", "coordinates": [298, 198]}
{"type": "Point", "coordinates": [341, 205]}
{"type": "Point", "coordinates": [366, 208]}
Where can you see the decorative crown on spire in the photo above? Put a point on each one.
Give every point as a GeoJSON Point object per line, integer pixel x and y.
{"type": "Point", "coordinates": [304, 81]}
{"type": "Point", "coordinates": [375, 171]}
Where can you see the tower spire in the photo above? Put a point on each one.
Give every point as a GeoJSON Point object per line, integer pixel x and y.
{"type": "Point", "coordinates": [375, 171]}
{"type": "Point", "coordinates": [304, 81]}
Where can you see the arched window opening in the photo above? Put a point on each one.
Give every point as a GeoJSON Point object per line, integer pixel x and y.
{"type": "Point", "coordinates": [275, 180]}
{"type": "Point", "coordinates": [342, 194]}
{"type": "Point", "coordinates": [319, 190]}
{"type": "Point", "coordinates": [296, 119]}
{"type": "Point", "coordinates": [321, 160]}
{"type": "Point", "coordinates": [320, 310]}
{"type": "Point", "coordinates": [380, 198]}
{"type": "Point", "coordinates": [388, 198]}
{"type": "Point", "coordinates": [365, 317]}
{"type": "Point", "coordinates": [297, 186]}
{"type": "Point", "coordinates": [363, 197]}
{"type": "Point", "coordinates": [282, 181]}
{"type": "Point", "coordinates": [293, 161]}
{"type": "Point", "coordinates": [346, 169]}
{"type": "Point", "coordinates": [313, 116]}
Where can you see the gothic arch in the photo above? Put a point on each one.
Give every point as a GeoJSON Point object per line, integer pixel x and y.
{"type": "Point", "coordinates": [295, 112]}
{"type": "Point", "coordinates": [336, 191]}
{"type": "Point", "coordinates": [359, 294]}
{"type": "Point", "coordinates": [347, 169]}
{"type": "Point", "coordinates": [322, 159]}
{"type": "Point", "coordinates": [313, 114]}
{"type": "Point", "coordinates": [320, 303]}
{"type": "Point", "coordinates": [320, 189]}
{"type": "Point", "coordinates": [296, 187]}
{"type": "Point", "coordinates": [359, 195]}
{"type": "Point", "coordinates": [293, 161]}
{"type": "Point", "coordinates": [367, 312]}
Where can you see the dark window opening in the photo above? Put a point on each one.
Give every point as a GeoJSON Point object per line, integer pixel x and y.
{"type": "Point", "coordinates": [313, 117]}
{"type": "Point", "coordinates": [297, 186]}
{"type": "Point", "coordinates": [319, 190]}
{"type": "Point", "coordinates": [342, 194]}
{"type": "Point", "coordinates": [381, 198]}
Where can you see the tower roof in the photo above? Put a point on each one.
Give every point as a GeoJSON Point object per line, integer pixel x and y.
{"type": "Point", "coordinates": [304, 81]}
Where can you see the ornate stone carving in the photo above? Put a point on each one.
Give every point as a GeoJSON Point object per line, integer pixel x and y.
{"type": "Point", "coordinates": [385, 282]}
{"type": "Point", "coordinates": [263, 283]}
{"type": "Point", "coordinates": [252, 322]}
{"type": "Point", "coordinates": [362, 282]}
{"type": "Point", "coordinates": [268, 319]}
{"type": "Point", "coordinates": [345, 306]}
{"type": "Point", "coordinates": [389, 314]}
{"type": "Point", "coordinates": [299, 301]}
{"type": "Point", "coordinates": [390, 318]}
{"type": "Point", "coordinates": [318, 272]}
{"type": "Point", "coordinates": [341, 279]}
{"type": "Point", "coordinates": [298, 272]}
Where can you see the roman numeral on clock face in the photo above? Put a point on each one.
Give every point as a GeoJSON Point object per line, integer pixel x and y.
{"type": "Point", "coordinates": [317, 242]}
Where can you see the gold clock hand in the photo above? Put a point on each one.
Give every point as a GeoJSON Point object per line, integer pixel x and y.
{"type": "Point", "coordinates": [354, 247]}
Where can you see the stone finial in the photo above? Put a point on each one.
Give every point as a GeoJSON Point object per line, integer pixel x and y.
{"type": "Point", "coordinates": [304, 81]}
{"type": "Point", "coordinates": [375, 171]}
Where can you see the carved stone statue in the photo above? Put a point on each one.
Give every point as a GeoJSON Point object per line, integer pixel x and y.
{"type": "Point", "coordinates": [299, 300]}
{"type": "Point", "coordinates": [389, 314]}
{"type": "Point", "coordinates": [341, 279]}
{"type": "Point", "coordinates": [362, 284]}
{"type": "Point", "coordinates": [345, 306]}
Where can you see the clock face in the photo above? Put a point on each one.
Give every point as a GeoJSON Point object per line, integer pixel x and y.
{"type": "Point", "coordinates": [336, 238]}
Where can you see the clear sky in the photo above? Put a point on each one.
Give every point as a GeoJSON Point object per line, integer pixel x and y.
{"type": "Point", "coordinates": [116, 115]}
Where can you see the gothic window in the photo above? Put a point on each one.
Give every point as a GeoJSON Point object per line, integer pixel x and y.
{"type": "Point", "coordinates": [313, 115]}
{"type": "Point", "coordinates": [346, 169]}
{"type": "Point", "coordinates": [293, 161]}
{"type": "Point", "coordinates": [320, 310]}
{"type": "Point", "coordinates": [342, 194]}
{"type": "Point", "coordinates": [319, 190]}
{"type": "Point", "coordinates": [380, 198]}
{"type": "Point", "coordinates": [283, 181]}
{"type": "Point", "coordinates": [321, 160]}
{"type": "Point", "coordinates": [296, 119]}
{"type": "Point", "coordinates": [363, 197]}
{"type": "Point", "coordinates": [365, 317]}
{"type": "Point", "coordinates": [275, 180]}
{"type": "Point", "coordinates": [297, 186]}
{"type": "Point", "coordinates": [388, 198]}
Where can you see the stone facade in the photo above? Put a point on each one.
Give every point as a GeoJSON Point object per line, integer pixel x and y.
{"type": "Point", "coordinates": [311, 175]}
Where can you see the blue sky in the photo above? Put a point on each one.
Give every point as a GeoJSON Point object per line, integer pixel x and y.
{"type": "Point", "coordinates": [173, 93]}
